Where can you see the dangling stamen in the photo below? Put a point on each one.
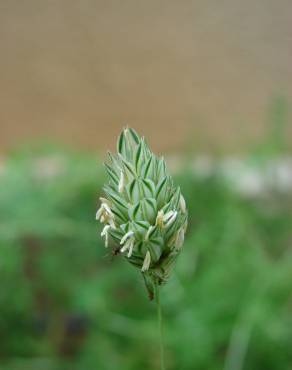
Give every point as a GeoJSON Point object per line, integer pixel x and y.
{"type": "Point", "coordinates": [146, 263]}
{"type": "Point", "coordinates": [128, 241]}
{"type": "Point", "coordinates": [105, 233]}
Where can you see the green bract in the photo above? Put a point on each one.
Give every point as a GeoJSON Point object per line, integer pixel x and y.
{"type": "Point", "coordinates": [143, 211]}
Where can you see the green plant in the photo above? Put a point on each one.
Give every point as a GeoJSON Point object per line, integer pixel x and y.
{"type": "Point", "coordinates": [143, 212]}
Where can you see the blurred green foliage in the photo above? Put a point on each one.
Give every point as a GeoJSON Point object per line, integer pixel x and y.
{"type": "Point", "coordinates": [67, 303]}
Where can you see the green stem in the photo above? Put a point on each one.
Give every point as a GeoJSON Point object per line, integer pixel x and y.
{"type": "Point", "coordinates": [159, 318]}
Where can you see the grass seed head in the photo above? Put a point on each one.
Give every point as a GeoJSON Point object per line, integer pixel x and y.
{"type": "Point", "coordinates": [142, 211]}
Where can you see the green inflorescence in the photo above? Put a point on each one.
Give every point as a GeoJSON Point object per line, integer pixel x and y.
{"type": "Point", "coordinates": [142, 211]}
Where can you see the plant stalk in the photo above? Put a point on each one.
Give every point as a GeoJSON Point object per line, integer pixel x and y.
{"type": "Point", "coordinates": [159, 318]}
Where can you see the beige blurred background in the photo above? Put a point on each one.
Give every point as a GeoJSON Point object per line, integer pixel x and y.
{"type": "Point", "coordinates": [77, 71]}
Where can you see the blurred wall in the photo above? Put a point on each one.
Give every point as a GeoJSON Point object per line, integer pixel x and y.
{"type": "Point", "coordinates": [79, 70]}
